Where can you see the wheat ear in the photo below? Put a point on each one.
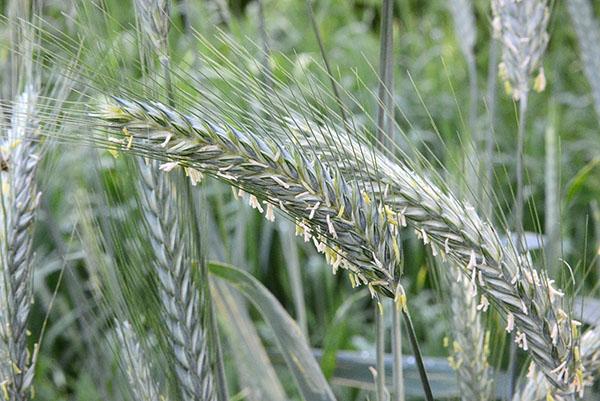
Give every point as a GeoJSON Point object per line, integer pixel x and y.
{"type": "Point", "coordinates": [521, 26]}
{"type": "Point", "coordinates": [454, 231]}
{"type": "Point", "coordinates": [135, 365]}
{"type": "Point", "coordinates": [19, 202]}
{"type": "Point", "coordinates": [329, 207]}
{"type": "Point", "coordinates": [180, 297]}
{"type": "Point", "coordinates": [587, 29]}
{"type": "Point", "coordinates": [345, 223]}
{"type": "Point", "coordinates": [466, 33]}
{"type": "Point", "coordinates": [154, 22]}
{"type": "Point", "coordinates": [469, 350]}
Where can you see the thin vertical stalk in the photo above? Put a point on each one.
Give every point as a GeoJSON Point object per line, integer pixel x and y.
{"type": "Point", "coordinates": [334, 86]}
{"type": "Point", "coordinates": [380, 351]}
{"type": "Point", "coordinates": [473, 95]}
{"type": "Point", "coordinates": [466, 33]}
{"type": "Point", "coordinates": [385, 104]}
{"type": "Point", "coordinates": [473, 163]}
{"type": "Point", "coordinates": [220, 378]}
{"type": "Point", "coordinates": [417, 353]}
{"type": "Point", "coordinates": [552, 219]}
{"type": "Point", "coordinates": [519, 201]}
{"type": "Point", "coordinates": [398, 373]}
{"type": "Point", "coordinates": [488, 165]}
{"type": "Point", "coordinates": [267, 74]}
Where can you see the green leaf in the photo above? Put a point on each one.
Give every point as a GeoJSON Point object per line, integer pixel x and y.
{"type": "Point", "coordinates": [252, 362]}
{"type": "Point", "coordinates": [580, 180]}
{"type": "Point", "coordinates": [289, 337]}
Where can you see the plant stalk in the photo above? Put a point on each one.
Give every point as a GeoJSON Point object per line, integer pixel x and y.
{"type": "Point", "coordinates": [417, 353]}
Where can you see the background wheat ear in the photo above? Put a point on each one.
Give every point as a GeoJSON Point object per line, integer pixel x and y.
{"type": "Point", "coordinates": [468, 340]}
{"type": "Point", "coordinates": [136, 366]}
{"type": "Point", "coordinates": [521, 26]}
{"type": "Point", "coordinates": [20, 156]}
{"type": "Point", "coordinates": [179, 294]}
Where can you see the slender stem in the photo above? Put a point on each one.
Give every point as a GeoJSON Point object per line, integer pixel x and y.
{"type": "Point", "coordinates": [519, 204]}
{"type": "Point", "coordinates": [385, 107]}
{"type": "Point", "coordinates": [334, 86]}
{"type": "Point", "coordinates": [221, 380]}
{"type": "Point", "coordinates": [417, 353]}
{"type": "Point", "coordinates": [474, 164]}
{"type": "Point", "coordinates": [473, 101]}
{"type": "Point", "coordinates": [267, 74]}
{"type": "Point", "coordinates": [512, 365]}
{"type": "Point", "coordinates": [398, 373]}
{"type": "Point", "coordinates": [380, 344]}
{"type": "Point", "coordinates": [519, 212]}
{"type": "Point", "coordinates": [492, 80]}
{"type": "Point", "coordinates": [552, 217]}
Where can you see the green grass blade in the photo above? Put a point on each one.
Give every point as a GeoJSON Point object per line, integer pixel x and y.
{"type": "Point", "coordinates": [289, 337]}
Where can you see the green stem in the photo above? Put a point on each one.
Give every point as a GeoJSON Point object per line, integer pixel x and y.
{"type": "Point", "coordinates": [385, 104]}
{"type": "Point", "coordinates": [552, 203]}
{"type": "Point", "coordinates": [398, 372]}
{"type": "Point", "coordinates": [519, 204]}
{"type": "Point", "coordinates": [418, 356]}
{"type": "Point", "coordinates": [473, 164]}
{"type": "Point", "coordinates": [380, 344]}
{"type": "Point", "coordinates": [334, 86]}
{"type": "Point", "coordinates": [489, 140]}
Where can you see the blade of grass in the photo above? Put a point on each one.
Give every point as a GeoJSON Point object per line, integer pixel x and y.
{"type": "Point", "coordinates": [289, 337]}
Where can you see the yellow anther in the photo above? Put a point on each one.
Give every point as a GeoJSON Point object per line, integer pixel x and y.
{"type": "Point", "coordinates": [396, 249]}
{"type": "Point", "coordinates": [15, 143]}
{"type": "Point", "coordinates": [4, 386]}
{"type": "Point", "coordinates": [367, 198]}
{"type": "Point", "coordinates": [539, 84]}
{"type": "Point", "coordinates": [576, 354]}
{"type": "Point", "coordinates": [352, 280]}
{"type": "Point", "coordinates": [16, 369]}
{"type": "Point", "coordinates": [400, 298]}
{"type": "Point", "coordinates": [508, 89]}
